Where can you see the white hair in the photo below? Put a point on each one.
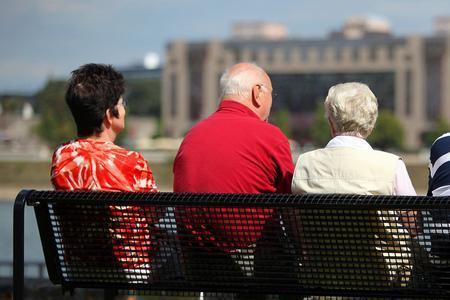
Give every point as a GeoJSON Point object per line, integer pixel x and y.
{"type": "Point", "coordinates": [352, 108]}
{"type": "Point", "coordinates": [240, 82]}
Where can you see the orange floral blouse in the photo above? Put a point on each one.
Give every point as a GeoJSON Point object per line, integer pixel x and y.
{"type": "Point", "coordinates": [86, 164]}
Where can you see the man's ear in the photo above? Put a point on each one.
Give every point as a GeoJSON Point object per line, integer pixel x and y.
{"type": "Point", "coordinates": [256, 93]}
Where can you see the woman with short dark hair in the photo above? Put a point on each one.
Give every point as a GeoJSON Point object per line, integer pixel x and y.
{"type": "Point", "coordinates": [94, 162]}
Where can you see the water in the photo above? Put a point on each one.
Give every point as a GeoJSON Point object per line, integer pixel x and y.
{"type": "Point", "coordinates": [33, 248]}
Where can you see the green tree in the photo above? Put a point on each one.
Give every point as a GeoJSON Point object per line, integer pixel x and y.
{"type": "Point", "coordinates": [440, 127]}
{"type": "Point", "coordinates": [320, 131]}
{"type": "Point", "coordinates": [144, 97]}
{"type": "Point", "coordinates": [388, 132]}
{"type": "Point", "coordinates": [12, 103]}
{"type": "Point", "coordinates": [56, 124]}
{"type": "Point", "coordinates": [282, 119]}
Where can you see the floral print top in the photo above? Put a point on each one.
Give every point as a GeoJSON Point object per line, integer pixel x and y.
{"type": "Point", "coordinates": [86, 164]}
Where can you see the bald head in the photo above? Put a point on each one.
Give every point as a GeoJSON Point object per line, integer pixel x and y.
{"type": "Point", "coordinates": [245, 83]}
{"type": "Point", "coordinates": [237, 81]}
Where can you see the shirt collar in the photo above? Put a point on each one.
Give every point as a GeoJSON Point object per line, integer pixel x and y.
{"type": "Point", "coordinates": [348, 141]}
{"type": "Point", "coordinates": [230, 105]}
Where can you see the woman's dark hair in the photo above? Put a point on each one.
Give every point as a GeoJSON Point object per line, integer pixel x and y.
{"type": "Point", "coordinates": [92, 89]}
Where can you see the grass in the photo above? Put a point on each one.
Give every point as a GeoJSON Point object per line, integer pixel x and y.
{"type": "Point", "coordinates": [25, 174]}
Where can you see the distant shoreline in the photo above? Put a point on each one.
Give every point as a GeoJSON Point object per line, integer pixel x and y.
{"type": "Point", "coordinates": [9, 193]}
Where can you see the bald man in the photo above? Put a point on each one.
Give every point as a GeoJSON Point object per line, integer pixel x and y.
{"type": "Point", "coordinates": [235, 150]}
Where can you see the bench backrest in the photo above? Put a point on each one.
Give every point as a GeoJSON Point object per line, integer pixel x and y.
{"type": "Point", "coordinates": [274, 244]}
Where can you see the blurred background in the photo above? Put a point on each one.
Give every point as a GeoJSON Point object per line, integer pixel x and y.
{"type": "Point", "coordinates": [172, 53]}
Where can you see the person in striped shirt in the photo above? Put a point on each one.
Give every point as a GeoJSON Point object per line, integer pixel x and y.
{"type": "Point", "coordinates": [439, 167]}
{"type": "Point", "coordinates": [436, 224]}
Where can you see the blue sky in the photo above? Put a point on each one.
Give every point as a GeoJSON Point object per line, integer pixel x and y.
{"type": "Point", "coordinates": [43, 39]}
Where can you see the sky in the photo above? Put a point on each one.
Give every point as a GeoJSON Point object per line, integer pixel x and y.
{"type": "Point", "coordinates": [42, 39]}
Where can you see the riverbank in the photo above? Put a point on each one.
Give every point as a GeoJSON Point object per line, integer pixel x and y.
{"type": "Point", "coordinates": [18, 175]}
{"type": "Point", "coordinates": [9, 193]}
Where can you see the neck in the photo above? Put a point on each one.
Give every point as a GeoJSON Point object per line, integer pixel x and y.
{"type": "Point", "coordinates": [247, 103]}
{"type": "Point", "coordinates": [104, 136]}
{"type": "Point", "coordinates": [354, 134]}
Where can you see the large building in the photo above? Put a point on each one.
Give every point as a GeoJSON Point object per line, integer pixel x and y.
{"type": "Point", "coordinates": [409, 75]}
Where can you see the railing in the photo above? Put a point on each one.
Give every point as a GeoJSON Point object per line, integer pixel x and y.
{"type": "Point", "coordinates": [33, 270]}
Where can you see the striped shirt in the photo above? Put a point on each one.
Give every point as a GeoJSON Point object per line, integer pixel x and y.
{"type": "Point", "coordinates": [439, 167]}
{"type": "Point", "coordinates": [436, 226]}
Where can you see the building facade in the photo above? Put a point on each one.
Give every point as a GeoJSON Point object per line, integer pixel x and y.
{"type": "Point", "coordinates": [410, 76]}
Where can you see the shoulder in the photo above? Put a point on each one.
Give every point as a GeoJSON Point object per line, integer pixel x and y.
{"type": "Point", "coordinates": [375, 155]}
{"type": "Point", "coordinates": [311, 153]}
{"type": "Point", "coordinates": [200, 129]}
{"type": "Point", "coordinates": [272, 131]}
{"type": "Point", "coordinates": [386, 155]}
{"type": "Point", "coordinates": [441, 139]}
{"type": "Point", "coordinates": [441, 144]}
{"type": "Point", "coordinates": [322, 152]}
{"type": "Point", "coordinates": [128, 154]}
{"type": "Point", "coordinates": [440, 147]}
{"type": "Point", "coordinates": [66, 145]}
{"type": "Point", "coordinates": [66, 148]}
{"type": "Point", "coordinates": [310, 157]}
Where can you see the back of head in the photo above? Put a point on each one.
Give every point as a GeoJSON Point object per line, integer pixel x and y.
{"type": "Point", "coordinates": [237, 81]}
{"type": "Point", "coordinates": [91, 91]}
{"type": "Point", "coordinates": [352, 109]}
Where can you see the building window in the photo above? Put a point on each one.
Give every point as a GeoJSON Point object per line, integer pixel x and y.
{"type": "Point", "coordinates": [302, 94]}
{"type": "Point", "coordinates": [173, 95]}
{"type": "Point", "coordinates": [196, 61]}
{"type": "Point", "coordinates": [408, 93]}
{"type": "Point", "coordinates": [433, 88]}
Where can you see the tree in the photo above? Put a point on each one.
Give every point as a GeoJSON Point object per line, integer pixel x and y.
{"type": "Point", "coordinates": [12, 103]}
{"type": "Point", "coordinates": [440, 127]}
{"type": "Point", "coordinates": [388, 132]}
{"type": "Point", "coordinates": [282, 119]}
{"type": "Point", "coordinates": [320, 131]}
{"type": "Point", "coordinates": [144, 97]}
{"type": "Point", "coordinates": [56, 124]}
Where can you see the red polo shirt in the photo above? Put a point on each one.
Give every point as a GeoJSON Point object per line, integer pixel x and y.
{"type": "Point", "coordinates": [233, 151]}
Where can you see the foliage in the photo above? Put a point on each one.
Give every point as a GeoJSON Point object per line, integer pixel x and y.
{"type": "Point", "coordinates": [56, 125]}
{"type": "Point", "coordinates": [440, 127]}
{"type": "Point", "coordinates": [388, 132]}
{"type": "Point", "coordinates": [282, 119]}
{"type": "Point", "coordinates": [320, 131]}
{"type": "Point", "coordinates": [159, 129]}
{"type": "Point", "coordinates": [143, 97]}
{"type": "Point", "coordinates": [12, 103]}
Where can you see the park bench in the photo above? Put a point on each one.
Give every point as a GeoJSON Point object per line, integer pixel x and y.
{"type": "Point", "coordinates": [275, 244]}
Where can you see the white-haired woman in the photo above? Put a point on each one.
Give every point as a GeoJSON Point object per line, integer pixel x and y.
{"type": "Point", "coordinates": [349, 165]}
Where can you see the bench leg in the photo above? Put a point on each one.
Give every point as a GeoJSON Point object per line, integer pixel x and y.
{"type": "Point", "coordinates": [18, 245]}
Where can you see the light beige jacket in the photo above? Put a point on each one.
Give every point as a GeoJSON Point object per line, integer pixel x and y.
{"type": "Point", "coordinates": [347, 170]}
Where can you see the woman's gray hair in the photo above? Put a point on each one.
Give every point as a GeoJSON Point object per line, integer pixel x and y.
{"type": "Point", "coordinates": [352, 108]}
{"type": "Point", "coordinates": [239, 83]}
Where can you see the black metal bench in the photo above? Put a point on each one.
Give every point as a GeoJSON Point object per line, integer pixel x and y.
{"type": "Point", "coordinates": [335, 245]}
